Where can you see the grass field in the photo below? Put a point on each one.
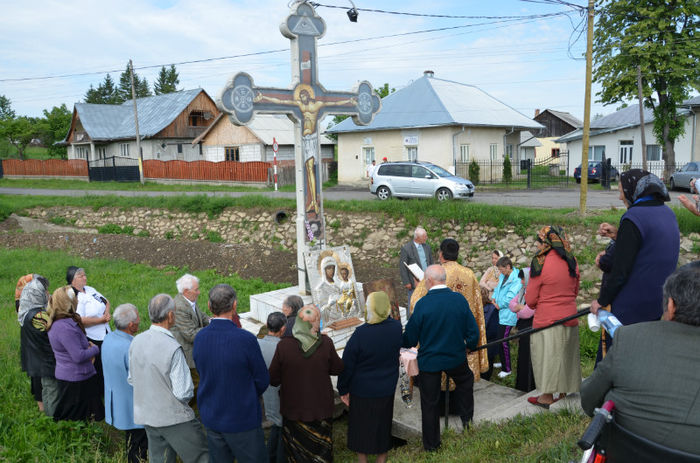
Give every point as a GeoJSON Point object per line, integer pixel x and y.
{"type": "Point", "coordinates": [29, 436]}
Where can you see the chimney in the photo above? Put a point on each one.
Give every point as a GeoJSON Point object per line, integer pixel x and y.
{"type": "Point", "coordinates": [428, 73]}
{"type": "Point", "coordinates": [537, 112]}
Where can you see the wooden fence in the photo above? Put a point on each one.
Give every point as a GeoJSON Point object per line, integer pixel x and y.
{"type": "Point", "coordinates": [47, 168]}
{"type": "Point", "coordinates": [232, 171]}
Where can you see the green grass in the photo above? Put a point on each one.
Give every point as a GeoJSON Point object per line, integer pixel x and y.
{"type": "Point", "coordinates": [114, 229]}
{"type": "Point", "coordinates": [8, 151]}
{"type": "Point", "coordinates": [29, 436]}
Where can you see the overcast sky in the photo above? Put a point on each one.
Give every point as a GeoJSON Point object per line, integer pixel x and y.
{"type": "Point", "coordinates": [525, 64]}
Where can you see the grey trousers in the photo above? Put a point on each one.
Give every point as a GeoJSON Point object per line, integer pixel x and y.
{"type": "Point", "coordinates": [49, 394]}
{"type": "Point", "coordinates": [184, 439]}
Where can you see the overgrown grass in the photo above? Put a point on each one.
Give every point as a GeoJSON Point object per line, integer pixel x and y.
{"type": "Point", "coordinates": [8, 151]}
{"type": "Point", "coordinates": [29, 436]}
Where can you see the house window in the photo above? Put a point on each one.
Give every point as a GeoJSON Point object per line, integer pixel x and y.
{"type": "Point", "coordinates": [101, 153]}
{"type": "Point", "coordinates": [200, 150]}
{"type": "Point", "coordinates": [626, 151]}
{"type": "Point", "coordinates": [179, 148]}
{"type": "Point", "coordinates": [232, 153]}
{"type": "Point", "coordinates": [509, 151]}
{"type": "Point", "coordinates": [124, 149]}
{"type": "Point", "coordinates": [596, 153]}
{"type": "Point", "coordinates": [556, 152]}
{"type": "Point", "coordinates": [653, 152]}
{"type": "Point", "coordinates": [493, 151]}
{"type": "Point", "coordinates": [197, 119]}
{"type": "Point", "coordinates": [368, 155]}
{"type": "Point", "coordinates": [412, 153]}
{"type": "Point", "coordinates": [82, 152]}
{"type": "Point", "coordinates": [464, 153]}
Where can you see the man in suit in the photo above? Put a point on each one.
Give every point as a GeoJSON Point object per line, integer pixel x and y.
{"type": "Point", "coordinates": [445, 328]}
{"type": "Point", "coordinates": [119, 394]}
{"type": "Point", "coordinates": [189, 319]}
{"type": "Point", "coordinates": [233, 377]}
{"type": "Point", "coordinates": [418, 252]}
{"type": "Point", "coordinates": [652, 371]}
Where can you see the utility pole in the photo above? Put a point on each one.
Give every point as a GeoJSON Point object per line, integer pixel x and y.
{"type": "Point", "coordinates": [587, 110]}
{"type": "Point", "coordinates": [641, 117]}
{"type": "Point", "coordinates": [136, 122]}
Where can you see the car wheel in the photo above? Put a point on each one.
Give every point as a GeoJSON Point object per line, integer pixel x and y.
{"type": "Point", "coordinates": [383, 193]}
{"type": "Point", "coordinates": [443, 194]}
{"type": "Point", "coordinates": [673, 184]}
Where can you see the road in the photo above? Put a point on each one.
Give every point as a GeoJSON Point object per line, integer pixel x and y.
{"type": "Point", "coordinates": [552, 198]}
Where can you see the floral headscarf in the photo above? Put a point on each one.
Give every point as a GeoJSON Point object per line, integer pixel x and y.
{"type": "Point", "coordinates": [33, 295]}
{"type": "Point", "coordinates": [62, 304]}
{"type": "Point", "coordinates": [553, 237]}
{"type": "Point", "coordinates": [638, 183]}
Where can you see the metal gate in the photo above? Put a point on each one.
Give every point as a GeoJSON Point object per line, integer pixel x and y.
{"type": "Point", "coordinates": [551, 172]}
{"type": "Point", "coordinates": [114, 169]}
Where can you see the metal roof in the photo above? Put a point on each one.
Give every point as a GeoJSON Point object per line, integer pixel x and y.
{"type": "Point", "coordinates": [695, 101]}
{"type": "Point", "coordinates": [431, 102]}
{"type": "Point", "coordinates": [566, 117]}
{"type": "Point", "coordinates": [111, 122]}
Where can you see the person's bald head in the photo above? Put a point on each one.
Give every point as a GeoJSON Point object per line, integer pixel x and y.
{"type": "Point", "coordinates": [435, 275]}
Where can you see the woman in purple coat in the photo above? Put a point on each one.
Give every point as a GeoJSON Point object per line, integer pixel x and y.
{"type": "Point", "coordinates": [78, 389]}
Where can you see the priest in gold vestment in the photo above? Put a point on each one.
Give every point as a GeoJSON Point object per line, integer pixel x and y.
{"type": "Point", "coordinates": [462, 280]}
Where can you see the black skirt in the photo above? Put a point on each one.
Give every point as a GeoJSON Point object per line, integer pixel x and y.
{"type": "Point", "coordinates": [79, 400]}
{"type": "Point", "coordinates": [369, 424]}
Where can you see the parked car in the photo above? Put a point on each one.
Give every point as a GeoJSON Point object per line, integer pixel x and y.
{"type": "Point", "coordinates": [406, 179]}
{"type": "Point", "coordinates": [681, 178]}
{"type": "Point", "coordinates": [594, 171]}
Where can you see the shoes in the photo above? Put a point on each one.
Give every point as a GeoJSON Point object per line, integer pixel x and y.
{"type": "Point", "coordinates": [497, 365]}
{"type": "Point", "coordinates": [535, 401]}
{"type": "Point", "coordinates": [503, 374]}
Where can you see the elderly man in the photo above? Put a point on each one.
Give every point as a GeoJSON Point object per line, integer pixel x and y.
{"type": "Point", "coordinates": [276, 328]}
{"type": "Point", "coordinates": [652, 371]}
{"type": "Point", "coordinates": [445, 328]}
{"type": "Point", "coordinates": [416, 251]}
{"type": "Point", "coordinates": [233, 376]}
{"type": "Point", "coordinates": [162, 387]}
{"type": "Point", "coordinates": [189, 319]}
{"type": "Point", "coordinates": [462, 280]}
{"type": "Point", "coordinates": [119, 394]}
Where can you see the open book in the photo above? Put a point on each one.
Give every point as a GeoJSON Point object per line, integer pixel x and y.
{"type": "Point", "coordinates": [415, 270]}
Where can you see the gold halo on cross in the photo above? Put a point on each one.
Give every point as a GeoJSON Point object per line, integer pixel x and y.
{"type": "Point", "coordinates": [323, 255]}
{"type": "Point", "coordinates": [309, 90]}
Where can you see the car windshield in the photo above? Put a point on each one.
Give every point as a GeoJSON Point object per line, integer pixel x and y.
{"type": "Point", "coordinates": [439, 171]}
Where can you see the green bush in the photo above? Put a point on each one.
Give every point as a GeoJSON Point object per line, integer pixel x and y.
{"type": "Point", "coordinates": [474, 171]}
{"type": "Point", "coordinates": [213, 236]}
{"type": "Point", "coordinates": [507, 170]}
{"type": "Point", "coordinates": [114, 229]}
{"type": "Point", "coordinates": [58, 220]}
{"type": "Point", "coordinates": [144, 234]}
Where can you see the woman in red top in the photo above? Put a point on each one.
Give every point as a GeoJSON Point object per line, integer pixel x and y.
{"type": "Point", "coordinates": [551, 293]}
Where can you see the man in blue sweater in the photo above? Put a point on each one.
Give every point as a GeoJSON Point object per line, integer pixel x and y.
{"type": "Point", "coordinates": [445, 328]}
{"type": "Point", "coordinates": [233, 375]}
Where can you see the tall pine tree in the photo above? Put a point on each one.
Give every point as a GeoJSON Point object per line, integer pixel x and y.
{"type": "Point", "coordinates": [105, 93]}
{"type": "Point", "coordinates": [140, 86]}
{"type": "Point", "coordinates": [167, 81]}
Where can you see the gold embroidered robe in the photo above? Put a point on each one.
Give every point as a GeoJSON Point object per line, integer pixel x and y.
{"type": "Point", "coordinates": [462, 280]}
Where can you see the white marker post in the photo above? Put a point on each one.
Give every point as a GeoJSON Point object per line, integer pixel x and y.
{"type": "Point", "coordinates": [275, 147]}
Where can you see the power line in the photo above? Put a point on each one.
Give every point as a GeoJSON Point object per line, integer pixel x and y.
{"type": "Point", "coordinates": [427, 15]}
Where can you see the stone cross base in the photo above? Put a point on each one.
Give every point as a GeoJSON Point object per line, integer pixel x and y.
{"type": "Point", "coordinates": [261, 305]}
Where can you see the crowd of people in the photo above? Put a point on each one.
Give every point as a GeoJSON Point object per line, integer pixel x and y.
{"type": "Point", "coordinates": [195, 385]}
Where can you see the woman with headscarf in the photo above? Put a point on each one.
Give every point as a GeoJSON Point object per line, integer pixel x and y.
{"type": "Point", "coordinates": [489, 279]}
{"type": "Point", "coordinates": [524, 378]}
{"type": "Point", "coordinates": [78, 389]}
{"type": "Point", "coordinates": [302, 367]}
{"type": "Point", "coordinates": [647, 244]}
{"type": "Point", "coordinates": [368, 381]}
{"type": "Point", "coordinates": [36, 356]}
{"type": "Point", "coordinates": [551, 293]}
{"type": "Point", "coordinates": [93, 309]}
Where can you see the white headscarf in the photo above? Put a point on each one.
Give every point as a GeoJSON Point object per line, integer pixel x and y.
{"type": "Point", "coordinates": [33, 295]}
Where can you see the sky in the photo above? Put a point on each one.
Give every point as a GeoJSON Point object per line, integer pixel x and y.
{"type": "Point", "coordinates": [528, 64]}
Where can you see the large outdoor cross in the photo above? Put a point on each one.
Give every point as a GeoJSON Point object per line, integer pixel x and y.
{"type": "Point", "coordinates": [306, 102]}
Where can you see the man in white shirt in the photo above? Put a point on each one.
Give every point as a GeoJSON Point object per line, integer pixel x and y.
{"type": "Point", "coordinates": [370, 168]}
{"type": "Point", "coordinates": [162, 387]}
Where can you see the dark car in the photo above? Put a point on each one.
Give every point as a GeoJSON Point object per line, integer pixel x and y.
{"type": "Point", "coordinates": [594, 171]}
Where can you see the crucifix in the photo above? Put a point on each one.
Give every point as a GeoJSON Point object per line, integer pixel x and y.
{"type": "Point", "coordinates": [306, 102]}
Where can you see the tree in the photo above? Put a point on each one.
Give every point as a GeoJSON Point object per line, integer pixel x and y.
{"type": "Point", "coordinates": [474, 170]}
{"type": "Point", "coordinates": [19, 132]}
{"type": "Point", "coordinates": [105, 93]}
{"type": "Point", "coordinates": [53, 128]}
{"type": "Point", "coordinates": [382, 91]}
{"type": "Point", "coordinates": [507, 170]}
{"type": "Point", "coordinates": [660, 37]}
{"type": "Point", "coordinates": [167, 81]}
{"type": "Point", "coordinates": [140, 86]}
{"type": "Point", "coordinates": [6, 111]}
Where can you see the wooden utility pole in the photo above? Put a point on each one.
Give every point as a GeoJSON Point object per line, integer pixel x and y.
{"type": "Point", "coordinates": [641, 117]}
{"type": "Point", "coordinates": [587, 110]}
{"type": "Point", "coordinates": [136, 123]}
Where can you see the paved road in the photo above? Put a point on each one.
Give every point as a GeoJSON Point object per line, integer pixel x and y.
{"type": "Point", "coordinates": [553, 198]}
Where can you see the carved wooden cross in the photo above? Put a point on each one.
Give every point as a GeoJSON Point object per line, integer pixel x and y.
{"type": "Point", "coordinates": [306, 102]}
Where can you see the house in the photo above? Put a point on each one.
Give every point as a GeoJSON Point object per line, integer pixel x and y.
{"type": "Point", "coordinates": [168, 124]}
{"type": "Point", "coordinates": [441, 121]}
{"type": "Point", "coordinates": [617, 136]}
{"type": "Point", "coordinates": [224, 141]}
{"type": "Point", "coordinates": [557, 124]}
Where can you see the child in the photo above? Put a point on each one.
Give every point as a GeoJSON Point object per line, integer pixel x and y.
{"type": "Point", "coordinates": [491, 322]}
